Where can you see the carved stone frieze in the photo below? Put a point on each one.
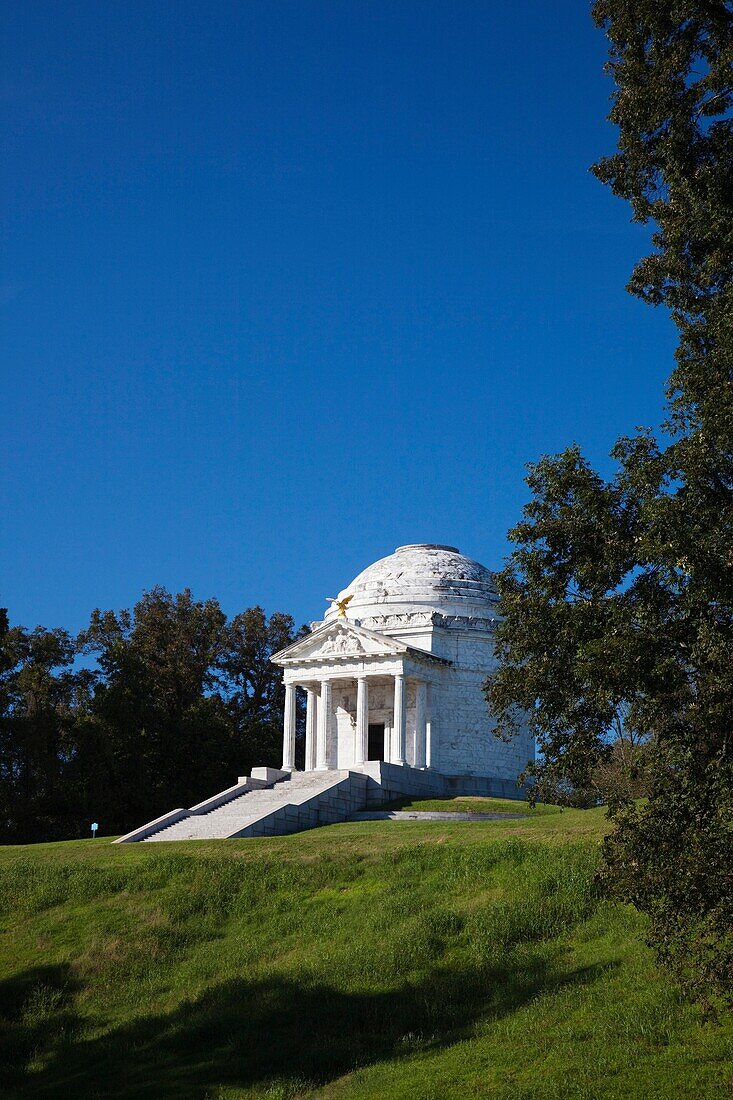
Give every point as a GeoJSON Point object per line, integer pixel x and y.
{"type": "Point", "coordinates": [466, 622]}
{"type": "Point", "coordinates": [430, 618]}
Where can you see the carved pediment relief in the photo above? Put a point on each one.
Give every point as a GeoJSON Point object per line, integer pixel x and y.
{"type": "Point", "coordinates": [340, 639]}
{"type": "Point", "coordinates": [342, 642]}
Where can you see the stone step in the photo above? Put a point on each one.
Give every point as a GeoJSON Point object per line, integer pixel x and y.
{"type": "Point", "coordinates": [272, 803]}
{"type": "Point", "coordinates": [303, 800]}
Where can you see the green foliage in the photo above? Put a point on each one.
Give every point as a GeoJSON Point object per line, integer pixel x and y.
{"type": "Point", "coordinates": [38, 697]}
{"type": "Point", "coordinates": [174, 682]}
{"type": "Point", "coordinates": [361, 960]}
{"type": "Point", "coordinates": [155, 706]}
{"type": "Point", "coordinates": [619, 596]}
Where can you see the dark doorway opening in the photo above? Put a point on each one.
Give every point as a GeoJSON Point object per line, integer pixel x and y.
{"type": "Point", "coordinates": [375, 747]}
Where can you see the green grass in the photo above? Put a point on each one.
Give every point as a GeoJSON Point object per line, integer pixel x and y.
{"type": "Point", "coordinates": [394, 961]}
{"type": "Point", "coordinates": [470, 804]}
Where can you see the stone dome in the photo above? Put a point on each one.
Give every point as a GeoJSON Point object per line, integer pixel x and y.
{"type": "Point", "coordinates": [421, 577]}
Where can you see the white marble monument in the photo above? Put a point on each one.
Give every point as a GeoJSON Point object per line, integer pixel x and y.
{"type": "Point", "coordinates": [394, 673]}
{"type": "Point", "coordinates": [393, 678]}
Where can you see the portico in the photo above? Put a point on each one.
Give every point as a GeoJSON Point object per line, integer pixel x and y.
{"type": "Point", "coordinates": [356, 681]}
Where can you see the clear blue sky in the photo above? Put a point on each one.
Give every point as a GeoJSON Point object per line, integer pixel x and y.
{"type": "Point", "coordinates": [286, 284]}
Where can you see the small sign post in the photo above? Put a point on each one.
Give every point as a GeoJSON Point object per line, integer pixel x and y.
{"type": "Point", "coordinates": [95, 826]}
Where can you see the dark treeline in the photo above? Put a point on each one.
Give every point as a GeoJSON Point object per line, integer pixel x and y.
{"type": "Point", "coordinates": [178, 702]}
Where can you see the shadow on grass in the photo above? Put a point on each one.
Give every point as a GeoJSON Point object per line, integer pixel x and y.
{"type": "Point", "coordinates": [250, 1034]}
{"type": "Point", "coordinates": [36, 1019]}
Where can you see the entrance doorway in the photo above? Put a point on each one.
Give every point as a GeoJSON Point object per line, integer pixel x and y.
{"type": "Point", "coordinates": [375, 746]}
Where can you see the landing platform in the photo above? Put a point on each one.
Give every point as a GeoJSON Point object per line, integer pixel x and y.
{"type": "Point", "coordinates": [429, 815]}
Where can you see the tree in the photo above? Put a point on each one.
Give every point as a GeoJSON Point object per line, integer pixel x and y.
{"type": "Point", "coordinates": [156, 706]}
{"type": "Point", "coordinates": [178, 703]}
{"type": "Point", "coordinates": [618, 598]}
{"type": "Point", "coordinates": [184, 702]}
{"type": "Point", "coordinates": [37, 698]}
{"type": "Point", "coordinates": [253, 685]}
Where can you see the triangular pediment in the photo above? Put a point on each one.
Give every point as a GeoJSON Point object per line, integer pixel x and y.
{"type": "Point", "coordinates": [340, 638]}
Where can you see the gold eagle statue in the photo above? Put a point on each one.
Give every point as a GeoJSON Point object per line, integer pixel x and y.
{"type": "Point", "coordinates": [341, 604]}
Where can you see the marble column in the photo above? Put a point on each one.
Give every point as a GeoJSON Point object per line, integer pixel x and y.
{"type": "Point", "coordinates": [310, 729]}
{"type": "Point", "coordinates": [324, 725]}
{"type": "Point", "coordinates": [289, 729]}
{"type": "Point", "coordinates": [361, 737]}
{"type": "Point", "coordinates": [429, 729]}
{"type": "Point", "coordinates": [421, 691]}
{"type": "Point", "coordinates": [400, 720]}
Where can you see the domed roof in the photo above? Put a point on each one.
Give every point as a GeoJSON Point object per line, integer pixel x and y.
{"type": "Point", "coordinates": [422, 576]}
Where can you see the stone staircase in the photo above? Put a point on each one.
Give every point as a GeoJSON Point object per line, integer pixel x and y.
{"type": "Point", "coordinates": [298, 801]}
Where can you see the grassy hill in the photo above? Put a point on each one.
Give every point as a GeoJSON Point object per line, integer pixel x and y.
{"type": "Point", "coordinates": [424, 961]}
